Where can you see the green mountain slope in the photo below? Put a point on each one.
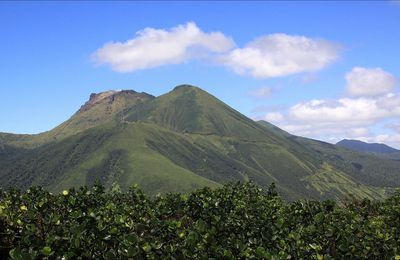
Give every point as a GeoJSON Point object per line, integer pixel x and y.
{"type": "Point", "coordinates": [99, 109]}
{"type": "Point", "coordinates": [110, 153]}
{"type": "Point", "coordinates": [183, 140]}
{"type": "Point", "coordinates": [189, 109]}
{"type": "Point", "coordinates": [365, 168]}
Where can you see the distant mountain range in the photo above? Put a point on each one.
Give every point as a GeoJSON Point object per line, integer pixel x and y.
{"type": "Point", "coordinates": [183, 140]}
{"type": "Point", "coordinates": [373, 148]}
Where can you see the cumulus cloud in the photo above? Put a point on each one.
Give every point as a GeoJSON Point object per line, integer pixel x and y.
{"type": "Point", "coordinates": [273, 55]}
{"type": "Point", "coordinates": [333, 120]}
{"type": "Point", "coordinates": [350, 117]}
{"type": "Point", "coordinates": [278, 55]}
{"type": "Point", "coordinates": [357, 111]}
{"type": "Point", "coordinates": [156, 47]}
{"type": "Point", "coordinates": [261, 92]}
{"type": "Point", "coordinates": [391, 140]}
{"type": "Point", "coordinates": [323, 131]}
{"type": "Point", "coordinates": [333, 134]}
{"type": "Point", "coordinates": [371, 105]}
{"type": "Point", "coordinates": [369, 82]}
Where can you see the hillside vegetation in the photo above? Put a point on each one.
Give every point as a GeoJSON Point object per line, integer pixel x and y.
{"type": "Point", "coordinates": [236, 221]}
{"type": "Point", "coordinates": [181, 141]}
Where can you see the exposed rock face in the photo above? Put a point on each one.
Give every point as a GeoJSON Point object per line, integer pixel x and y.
{"type": "Point", "coordinates": [95, 98]}
{"type": "Point", "coordinates": [110, 96]}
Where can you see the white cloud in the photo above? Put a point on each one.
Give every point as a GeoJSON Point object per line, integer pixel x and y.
{"type": "Point", "coordinates": [342, 118]}
{"type": "Point", "coordinates": [156, 47]}
{"type": "Point", "coordinates": [349, 117]}
{"type": "Point", "coordinates": [369, 81]}
{"type": "Point", "coordinates": [320, 131]}
{"type": "Point", "coordinates": [334, 134]}
{"type": "Point", "coordinates": [278, 55]}
{"type": "Point", "coordinates": [389, 102]}
{"type": "Point", "coordinates": [274, 117]}
{"type": "Point", "coordinates": [262, 92]}
{"type": "Point", "coordinates": [391, 140]}
{"type": "Point", "coordinates": [273, 55]}
{"type": "Point", "coordinates": [355, 111]}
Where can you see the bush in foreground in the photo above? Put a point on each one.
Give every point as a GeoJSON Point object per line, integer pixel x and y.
{"type": "Point", "coordinates": [235, 221]}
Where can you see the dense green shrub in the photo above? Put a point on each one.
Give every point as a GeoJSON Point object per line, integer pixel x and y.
{"type": "Point", "coordinates": [236, 221]}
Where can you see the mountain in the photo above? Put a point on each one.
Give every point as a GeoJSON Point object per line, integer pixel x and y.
{"type": "Point", "coordinates": [360, 146]}
{"type": "Point", "coordinates": [99, 109]}
{"type": "Point", "coordinates": [183, 140]}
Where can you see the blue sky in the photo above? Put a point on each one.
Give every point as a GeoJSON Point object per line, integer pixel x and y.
{"type": "Point", "coordinates": [326, 70]}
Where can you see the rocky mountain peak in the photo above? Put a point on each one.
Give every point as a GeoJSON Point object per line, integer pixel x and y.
{"type": "Point", "coordinates": [109, 97]}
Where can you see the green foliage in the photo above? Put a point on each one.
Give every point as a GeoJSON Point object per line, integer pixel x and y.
{"type": "Point", "coordinates": [237, 221]}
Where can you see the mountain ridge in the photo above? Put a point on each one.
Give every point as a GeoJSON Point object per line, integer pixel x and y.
{"type": "Point", "coordinates": [361, 146]}
{"type": "Point", "coordinates": [183, 140]}
{"type": "Point", "coordinates": [100, 108]}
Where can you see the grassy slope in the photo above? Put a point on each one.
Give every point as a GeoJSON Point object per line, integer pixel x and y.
{"type": "Point", "coordinates": [348, 171]}
{"type": "Point", "coordinates": [88, 116]}
{"type": "Point", "coordinates": [159, 160]}
{"type": "Point", "coordinates": [365, 168]}
{"type": "Point", "coordinates": [135, 162]}
{"type": "Point", "coordinates": [189, 109]}
{"type": "Point", "coordinates": [331, 183]}
{"type": "Point", "coordinates": [112, 153]}
{"type": "Point", "coordinates": [187, 139]}
{"type": "Point", "coordinates": [260, 154]}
